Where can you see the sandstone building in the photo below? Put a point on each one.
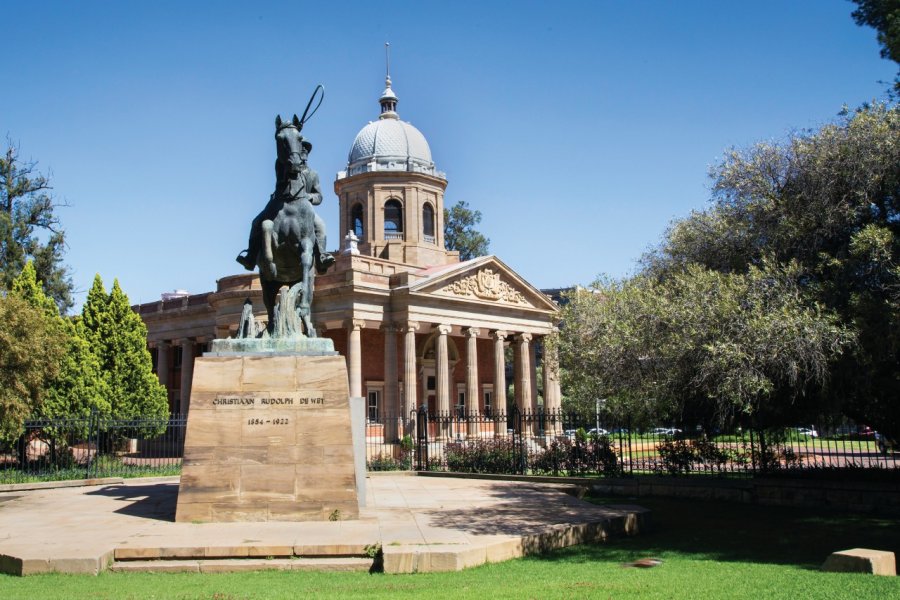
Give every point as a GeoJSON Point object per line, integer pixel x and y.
{"type": "Point", "coordinates": [416, 325]}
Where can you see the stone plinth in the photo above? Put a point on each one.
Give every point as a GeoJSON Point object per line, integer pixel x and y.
{"type": "Point", "coordinates": [268, 346]}
{"type": "Point", "coordinates": [268, 439]}
{"type": "Point", "coordinates": [862, 560]}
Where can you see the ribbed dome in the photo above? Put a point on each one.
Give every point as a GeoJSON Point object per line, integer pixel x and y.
{"type": "Point", "coordinates": [390, 138]}
{"type": "Point", "coordinates": [390, 144]}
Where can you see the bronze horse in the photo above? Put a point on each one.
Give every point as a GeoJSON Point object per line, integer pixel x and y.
{"type": "Point", "coordinates": [287, 239]}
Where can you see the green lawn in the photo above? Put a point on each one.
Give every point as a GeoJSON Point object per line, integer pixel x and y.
{"type": "Point", "coordinates": [710, 550]}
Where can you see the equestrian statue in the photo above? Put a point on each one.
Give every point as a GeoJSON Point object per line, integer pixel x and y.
{"type": "Point", "coordinates": [287, 239]}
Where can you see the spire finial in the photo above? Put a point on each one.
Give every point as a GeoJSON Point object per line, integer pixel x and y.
{"type": "Point", "coordinates": [388, 99]}
{"type": "Point", "coordinates": [387, 62]}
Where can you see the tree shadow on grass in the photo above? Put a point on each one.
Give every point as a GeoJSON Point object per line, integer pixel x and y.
{"type": "Point", "coordinates": [725, 531]}
{"type": "Point", "coordinates": [150, 501]}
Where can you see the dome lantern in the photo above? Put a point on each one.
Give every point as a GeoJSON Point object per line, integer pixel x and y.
{"type": "Point", "coordinates": [388, 101]}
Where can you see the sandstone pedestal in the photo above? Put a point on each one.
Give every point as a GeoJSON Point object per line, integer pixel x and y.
{"type": "Point", "coordinates": [268, 439]}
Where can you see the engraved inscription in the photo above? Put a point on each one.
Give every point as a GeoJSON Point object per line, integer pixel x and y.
{"type": "Point", "coordinates": [266, 400]}
{"type": "Point", "coordinates": [233, 401]}
{"type": "Point", "coordinates": [259, 421]}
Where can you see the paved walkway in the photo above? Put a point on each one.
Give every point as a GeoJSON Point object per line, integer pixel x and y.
{"type": "Point", "coordinates": [421, 523]}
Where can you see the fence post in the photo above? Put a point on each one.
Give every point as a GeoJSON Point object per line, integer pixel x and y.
{"type": "Point", "coordinates": [93, 441]}
{"type": "Point", "coordinates": [752, 451]}
{"type": "Point", "coordinates": [518, 432]}
{"type": "Point", "coordinates": [630, 455]}
{"type": "Point", "coordinates": [421, 417]}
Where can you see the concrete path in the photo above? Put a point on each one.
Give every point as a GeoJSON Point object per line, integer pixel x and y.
{"type": "Point", "coordinates": [420, 523]}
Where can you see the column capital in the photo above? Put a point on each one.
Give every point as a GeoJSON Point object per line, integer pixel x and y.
{"type": "Point", "coordinates": [472, 332]}
{"type": "Point", "coordinates": [499, 334]}
{"type": "Point", "coordinates": [523, 337]}
{"type": "Point", "coordinates": [443, 329]}
{"type": "Point", "coordinates": [355, 324]}
{"type": "Point", "coordinates": [390, 327]}
{"type": "Point", "coordinates": [409, 326]}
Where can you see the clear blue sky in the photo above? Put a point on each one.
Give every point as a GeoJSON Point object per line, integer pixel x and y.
{"type": "Point", "coordinates": [578, 129]}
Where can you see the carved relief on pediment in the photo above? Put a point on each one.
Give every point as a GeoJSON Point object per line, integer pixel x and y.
{"type": "Point", "coordinates": [486, 284]}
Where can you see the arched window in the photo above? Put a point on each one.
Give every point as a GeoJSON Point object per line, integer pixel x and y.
{"type": "Point", "coordinates": [428, 223]}
{"type": "Point", "coordinates": [393, 220]}
{"type": "Point", "coordinates": [356, 220]}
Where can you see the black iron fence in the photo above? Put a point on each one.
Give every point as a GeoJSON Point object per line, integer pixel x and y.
{"type": "Point", "coordinates": [517, 442]}
{"type": "Point", "coordinates": [93, 446]}
{"type": "Point", "coordinates": [577, 444]}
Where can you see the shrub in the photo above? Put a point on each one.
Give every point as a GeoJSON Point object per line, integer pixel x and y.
{"type": "Point", "coordinates": [483, 456]}
{"type": "Point", "coordinates": [587, 454]}
{"type": "Point", "coordinates": [684, 456]}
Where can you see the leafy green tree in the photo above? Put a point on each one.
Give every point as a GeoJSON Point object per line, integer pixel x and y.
{"type": "Point", "coordinates": [699, 346]}
{"type": "Point", "coordinates": [79, 386]}
{"type": "Point", "coordinates": [29, 229]}
{"type": "Point", "coordinates": [884, 17]}
{"type": "Point", "coordinates": [826, 201]}
{"type": "Point", "coordinates": [460, 233]}
{"type": "Point", "coordinates": [31, 347]}
{"type": "Point", "coordinates": [119, 338]}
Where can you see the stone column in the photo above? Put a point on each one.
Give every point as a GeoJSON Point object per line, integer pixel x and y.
{"type": "Point", "coordinates": [499, 382]}
{"type": "Point", "coordinates": [532, 376]}
{"type": "Point", "coordinates": [472, 414]}
{"type": "Point", "coordinates": [552, 395]}
{"type": "Point", "coordinates": [523, 377]}
{"type": "Point", "coordinates": [354, 355]}
{"type": "Point", "coordinates": [162, 366]}
{"type": "Point", "coordinates": [187, 374]}
{"type": "Point", "coordinates": [442, 384]}
{"type": "Point", "coordinates": [390, 408]}
{"type": "Point", "coordinates": [410, 386]}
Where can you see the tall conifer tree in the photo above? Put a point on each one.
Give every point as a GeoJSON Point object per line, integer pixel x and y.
{"type": "Point", "coordinates": [119, 338]}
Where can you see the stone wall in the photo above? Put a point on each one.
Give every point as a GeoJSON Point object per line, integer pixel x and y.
{"type": "Point", "coordinates": [841, 495]}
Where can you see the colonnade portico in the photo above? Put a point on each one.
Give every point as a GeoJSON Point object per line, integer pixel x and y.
{"type": "Point", "coordinates": [404, 387]}
{"type": "Point", "coordinates": [177, 355]}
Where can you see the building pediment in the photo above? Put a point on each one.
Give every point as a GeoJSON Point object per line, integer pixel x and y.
{"type": "Point", "coordinates": [484, 280]}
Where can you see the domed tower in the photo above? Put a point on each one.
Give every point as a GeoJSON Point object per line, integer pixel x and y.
{"type": "Point", "coordinates": [391, 196]}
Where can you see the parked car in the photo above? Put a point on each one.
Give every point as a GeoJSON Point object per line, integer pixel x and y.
{"type": "Point", "coordinates": [597, 431]}
{"type": "Point", "coordinates": [807, 431]}
{"type": "Point", "coordinates": [665, 431]}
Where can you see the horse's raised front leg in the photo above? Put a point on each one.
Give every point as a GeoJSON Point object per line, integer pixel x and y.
{"type": "Point", "coordinates": [267, 267]}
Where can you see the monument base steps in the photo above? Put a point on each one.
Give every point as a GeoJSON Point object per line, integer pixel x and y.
{"type": "Point", "coordinates": [231, 565]}
{"type": "Point", "coordinates": [222, 559]}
